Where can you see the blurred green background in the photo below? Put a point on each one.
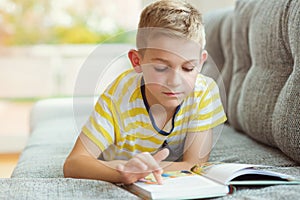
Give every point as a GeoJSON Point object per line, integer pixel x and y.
{"type": "Point", "coordinates": [30, 22]}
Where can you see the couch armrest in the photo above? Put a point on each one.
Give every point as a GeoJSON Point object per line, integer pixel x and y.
{"type": "Point", "coordinates": [49, 109]}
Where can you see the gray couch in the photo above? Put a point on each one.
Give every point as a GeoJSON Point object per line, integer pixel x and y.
{"type": "Point", "coordinates": [256, 48]}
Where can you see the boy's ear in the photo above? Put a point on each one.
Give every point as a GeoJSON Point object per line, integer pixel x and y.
{"type": "Point", "coordinates": [204, 56]}
{"type": "Point", "coordinates": [135, 59]}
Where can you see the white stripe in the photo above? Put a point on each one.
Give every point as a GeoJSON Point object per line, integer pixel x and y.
{"type": "Point", "coordinates": [195, 124]}
{"type": "Point", "coordinates": [125, 79]}
{"type": "Point", "coordinates": [211, 94]}
{"type": "Point", "coordinates": [98, 136]}
{"type": "Point", "coordinates": [138, 103]}
{"type": "Point", "coordinates": [143, 134]}
{"type": "Point", "coordinates": [144, 144]}
{"type": "Point", "coordinates": [211, 107]}
{"type": "Point", "coordinates": [104, 106]}
{"type": "Point", "coordinates": [176, 138]}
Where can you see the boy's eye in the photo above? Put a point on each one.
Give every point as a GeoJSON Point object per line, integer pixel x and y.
{"type": "Point", "coordinates": [188, 69]}
{"type": "Point", "coordinates": [160, 69]}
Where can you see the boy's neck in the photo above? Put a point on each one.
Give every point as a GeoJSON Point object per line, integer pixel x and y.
{"type": "Point", "coordinates": [160, 115]}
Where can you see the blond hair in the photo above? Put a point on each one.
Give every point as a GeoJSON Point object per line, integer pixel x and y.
{"type": "Point", "coordinates": [176, 17]}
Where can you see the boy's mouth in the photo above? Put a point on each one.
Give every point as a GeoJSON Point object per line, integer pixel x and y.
{"type": "Point", "coordinates": [173, 94]}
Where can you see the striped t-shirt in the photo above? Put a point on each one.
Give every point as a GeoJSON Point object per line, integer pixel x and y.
{"type": "Point", "coordinates": [122, 126]}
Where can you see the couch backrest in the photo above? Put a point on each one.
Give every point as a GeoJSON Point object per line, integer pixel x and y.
{"type": "Point", "coordinates": [264, 89]}
{"type": "Point", "coordinates": [218, 25]}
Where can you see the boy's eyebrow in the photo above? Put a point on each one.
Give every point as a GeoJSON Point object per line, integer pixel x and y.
{"type": "Point", "coordinates": [168, 63]}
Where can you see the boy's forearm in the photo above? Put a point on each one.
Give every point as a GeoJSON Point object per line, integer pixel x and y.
{"type": "Point", "coordinates": [90, 168]}
{"type": "Point", "coordinates": [174, 166]}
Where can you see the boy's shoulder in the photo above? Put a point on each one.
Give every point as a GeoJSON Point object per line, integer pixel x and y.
{"type": "Point", "coordinates": [128, 72]}
{"type": "Point", "coordinates": [204, 82]}
{"type": "Point", "coordinates": [116, 87]}
{"type": "Point", "coordinates": [125, 76]}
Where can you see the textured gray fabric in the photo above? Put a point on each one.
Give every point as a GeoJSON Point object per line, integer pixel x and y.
{"type": "Point", "coordinates": [272, 64]}
{"type": "Point", "coordinates": [233, 146]}
{"type": "Point", "coordinates": [40, 167]}
{"type": "Point", "coordinates": [242, 60]}
{"type": "Point", "coordinates": [60, 188]}
{"type": "Point", "coordinates": [237, 147]}
{"type": "Point", "coordinates": [218, 25]}
{"type": "Point", "coordinates": [286, 116]}
{"type": "Point", "coordinates": [265, 87]}
{"type": "Point", "coordinates": [282, 192]}
{"type": "Point", "coordinates": [46, 150]}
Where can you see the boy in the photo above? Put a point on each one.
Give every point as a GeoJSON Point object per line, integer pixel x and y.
{"type": "Point", "coordinates": [162, 110]}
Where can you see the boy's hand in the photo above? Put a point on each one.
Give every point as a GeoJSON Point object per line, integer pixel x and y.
{"type": "Point", "coordinates": [141, 165]}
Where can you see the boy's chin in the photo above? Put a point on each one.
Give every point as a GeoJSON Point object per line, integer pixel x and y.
{"type": "Point", "coordinates": [171, 104]}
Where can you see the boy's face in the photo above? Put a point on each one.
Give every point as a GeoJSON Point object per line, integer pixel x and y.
{"type": "Point", "coordinates": [170, 67]}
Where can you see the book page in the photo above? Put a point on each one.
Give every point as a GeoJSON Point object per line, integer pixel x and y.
{"type": "Point", "coordinates": [225, 172]}
{"type": "Point", "coordinates": [180, 186]}
{"type": "Point", "coordinates": [221, 172]}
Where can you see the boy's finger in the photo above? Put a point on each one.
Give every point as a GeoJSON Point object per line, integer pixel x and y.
{"type": "Point", "coordinates": [161, 155]}
{"type": "Point", "coordinates": [157, 176]}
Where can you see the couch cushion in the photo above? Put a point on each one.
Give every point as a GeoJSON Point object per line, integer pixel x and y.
{"type": "Point", "coordinates": [236, 147]}
{"type": "Point", "coordinates": [242, 61]}
{"type": "Point", "coordinates": [264, 96]}
{"type": "Point", "coordinates": [48, 109]}
{"type": "Point", "coordinates": [51, 142]}
{"type": "Point", "coordinates": [60, 188]}
{"type": "Point", "coordinates": [286, 116]}
{"type": "Point", "coordinates": [39, 173]}
{"type": "Point", "coordinates": [218, 28]}
{"type": "Point", "coordinates": [47, 148]}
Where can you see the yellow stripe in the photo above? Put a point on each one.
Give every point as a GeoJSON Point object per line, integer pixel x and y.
{"type": "Point", "coordinates": [111, 91]}
{"type": "Point", "coordinates": [202, 104]}
{"type": "Point", "coordinates": [209, 126]}
{"type": "Point", "coordinates": [136, 124]}
{"type": "Point", "coordinates": [106, 99]}
{"type": "Point", "coordinates": [126, 154]}
{"type": "Point", "coordinates": [188, 108]}
{"type": "Point", "coordinates": [141, 136]}
{"type": "Point", "coordinates": [205, 103]}
{"type": "Point", "coordinates": [101, 130]}
{"type": "Point", "coordinates": [212, 113]}
{"type": "Point", "coordinates": [112, 106]}
{"type": "Point", "coordinates": [136, 95]}
{"type": "Point", "coordinates": [197, 94]}
{"type": "Point", "coordinates": [125, 89]}
{"type": "Point", "coordinates": [181, 121]}
{"type": "Point", "coordinates": [103, 113]}
{"type": "Point", "coordinates": [138, 147]}
{"type": "Point", "coordinates": [134, 112]}
{"type": "Point", "coordinates": [118, 136]}
{"type": "Point", "coordinates": [90, 135]}
{"type": "Point", "coordinates": [208, 90]}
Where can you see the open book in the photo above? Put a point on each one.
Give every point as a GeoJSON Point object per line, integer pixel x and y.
{"type": "Point", "coordinates": [207, 181]}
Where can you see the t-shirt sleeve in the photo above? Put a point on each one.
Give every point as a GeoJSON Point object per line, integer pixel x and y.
{"type": "Point", "coordinates": [210, 112]}
{"type": "Point", "coordinates": [99, 128]}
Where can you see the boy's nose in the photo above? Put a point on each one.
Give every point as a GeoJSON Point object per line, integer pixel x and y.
{"type": "Point", "coordinates": [174, 78]}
